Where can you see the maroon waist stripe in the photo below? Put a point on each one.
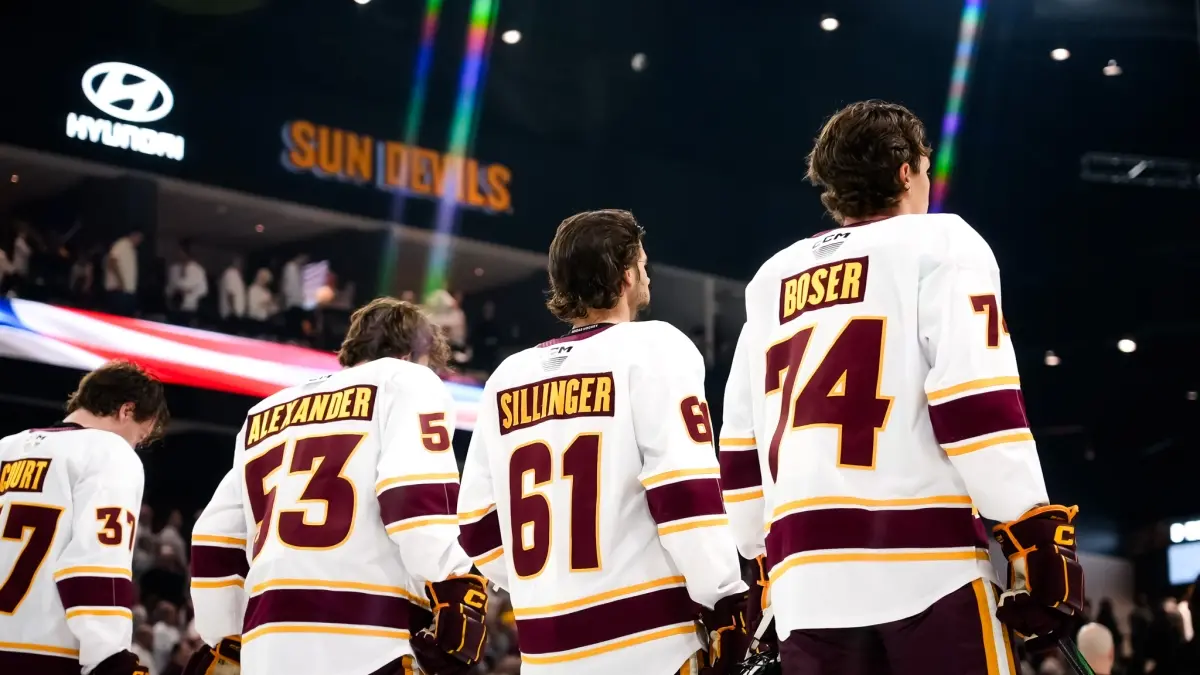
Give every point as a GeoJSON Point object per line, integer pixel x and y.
{"type": "Point", "coordinates": [824, 529]}
{"type": "Point", "coordinates": [480, 536]}
{"type": "Point", "coordinates": [414, 501]}
{"type": "Point", "coordinates": [685, 499]}
{"type": "Point", "coordinates": [608, 621]}
{"type": "Point", "coordinates": [303, 605]}
{"type": "Point", "coordinates": [95, 592]}
{"type": "Point", "coordinates": [18, 663]}
{"type": "Point", "coordinates": [214, 562]}
{"type": "Point", "coordinates": [739, 469]}
{"type": "Point", "coordinates": [978, 414]}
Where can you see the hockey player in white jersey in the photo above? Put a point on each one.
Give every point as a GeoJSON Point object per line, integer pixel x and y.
{"type": "Point", "coordinates": [69, 499]}
{"type": "Point", "coordinates": [590, 489]}
{"type": "Point", "coordinates": [873, 409]}
{"type": "Point", "coordinates": [335, 535]}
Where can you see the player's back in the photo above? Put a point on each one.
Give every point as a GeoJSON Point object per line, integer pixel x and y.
{"type": "Point", "coordinates": [69, 497]}
{"type": "Point", "coordinates": [590, 467]}
{"type": "Point", "coordinates": [323, 497]}
{"type": "Point", "coordinates": [877, 363]}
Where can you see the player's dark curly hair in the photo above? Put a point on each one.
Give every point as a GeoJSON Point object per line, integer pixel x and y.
{"type": "Point", "coordinates": [858, 155]}
{"type": "Point", "coordinates": [387, 327]}
{"type": "Point", "coordinates": [103, 391]}
{"type": "Point", "coordinates": [588, 259]}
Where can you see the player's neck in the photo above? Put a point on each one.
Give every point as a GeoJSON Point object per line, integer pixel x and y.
{"type": "Point", "coordinates": [618, 314]}
{"type": "Point", "coordinates": [90, 420]}
{"type": "Point", "coordinates": [901, 209]}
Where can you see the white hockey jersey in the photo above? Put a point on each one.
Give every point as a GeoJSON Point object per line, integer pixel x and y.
{"type": "Point", "coordinates": [69, 499]}
{"type": "Point", "coordinates": [339, 508]}
{"type": "Point", "coordinates": [591, 493]}
{"type": "Point", "coordinates": [873, 410]}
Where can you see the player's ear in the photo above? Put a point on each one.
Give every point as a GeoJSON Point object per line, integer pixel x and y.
{"type": "Point", "coordinates": [125, 412]}
{"type": "Point", "coordinates": [906, 174]}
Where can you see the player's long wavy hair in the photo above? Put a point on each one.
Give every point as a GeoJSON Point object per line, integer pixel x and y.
{"type": "Point", "coordinates": [103, 391]}
{"type": "Point", "coordinates": [387, 327]}
{"type": "Point", "coordinates": [588, 259]}
{"type": "Point", "coordinates": [858, 155]}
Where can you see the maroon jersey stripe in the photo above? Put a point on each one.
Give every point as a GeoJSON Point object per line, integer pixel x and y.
{"type": "Point", "coordinates": [849, 528]}
{"type": "Point", "coordinates": [685, 499]}
{"type": "Point", "coordinates": [414, 501]}
{"type": "Point", "coordinates": [42, 664]}
{"type": "Point", "coordinates": [95, 592]}
{"type": "Point", "coordinates": [215, 562]}
{"type": "Point", "coordinates": [608, 621]}
{"type": "Point", "coordinates": [739, 469]}
{"type": "Point", "coordinates": [978, 414]}
{"type": "Point", "coordinates": [481, 536]}
{"type": "Point", "coordinates": [303, 605]}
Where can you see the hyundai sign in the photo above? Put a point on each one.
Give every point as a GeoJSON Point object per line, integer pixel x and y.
{"type": "Point", "coordinates": [133, 95]}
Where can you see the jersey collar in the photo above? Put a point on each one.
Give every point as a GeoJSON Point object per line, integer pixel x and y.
{"type": "Point", "coordinates": [579, 333]}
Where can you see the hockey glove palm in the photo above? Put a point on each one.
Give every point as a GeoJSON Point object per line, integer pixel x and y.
{"type": "Point", "coordinates": [224, 659]}
{"type": "Point", "coordinates": [727, 637]}
{"type": "Point", "coordinates": [121, 663]}
{"type": "Point", "coordinates": [456, 639]}
{"type": "Point", "coordinates": [1045, 581]}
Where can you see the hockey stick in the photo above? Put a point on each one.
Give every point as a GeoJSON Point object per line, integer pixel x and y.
{"type": "Point", "coordinates": [763, 624]}
{"type": "Point", "coordinates": [1073, 656]}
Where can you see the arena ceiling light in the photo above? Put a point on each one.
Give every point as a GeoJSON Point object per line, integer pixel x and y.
{"type": "Point", "coordinates": [1060, 54]}
{"type": "Point", "coordinates": [638, 63]}
{"type": "Point", "coordinates": [362, 2]}
{"type": "Point", "coordinates": [511, 37]}
{"type": "Point", "coordinates": [829, 23]}
{"type": "Point", "coordinates": [1112, 69]}
{"type": "Point", "coordinates": [1052, 359]}
{"type": "Point", "coordinates": [1126, 345]}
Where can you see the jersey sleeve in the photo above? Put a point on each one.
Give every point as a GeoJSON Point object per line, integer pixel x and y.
{"type": "Point", "coordinates": [741, 472]}
{"type": "Point", "coordinates": [417, 482]}
{"type": "Point", "coordinates": [94, 572]}
{"type": "Point", "coordinates": [973, 387]}
{"type": "Point", "coordinates": [679, 467]}
{"type": "Point", "coordinates": [478, 519]}
{"type": "Point", "coordinates": [220, 561]}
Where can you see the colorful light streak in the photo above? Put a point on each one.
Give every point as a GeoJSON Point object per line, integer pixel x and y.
{"type": "Point", "coordinates": [412, 131]}
{"type": "Point", "coordinates": [964, 56]}
{"type": "Point", "coordinates": [462, 132]}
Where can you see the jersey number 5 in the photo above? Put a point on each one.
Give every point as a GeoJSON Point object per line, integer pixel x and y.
{"type": "Point", "coordinates": [41, 523]}
{"type": "Point", "coordinates": [842, 393]}
{"type": "Point", "coordinates": [324, 458]}
{"type": "Point", "coordinates": [530, 511]}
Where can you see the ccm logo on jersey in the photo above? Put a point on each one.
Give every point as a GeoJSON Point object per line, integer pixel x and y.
{"type": "Point", "coordinates": [836, 283]}
{"type": "Point", "coordinates": [555, 399]}
{"type": "Point", "coordinates": [23, 475]}
{"type": "Point", "coordinates": [351, 403]}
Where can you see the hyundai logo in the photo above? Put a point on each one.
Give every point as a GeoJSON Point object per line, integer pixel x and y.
{"type": "Point", "coordinates": [143, 96]}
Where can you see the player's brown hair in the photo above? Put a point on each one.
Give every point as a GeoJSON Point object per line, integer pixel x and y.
{"type": "Point", "coordinates": [103, 391]}
{"type": "Point", "coordinates": [588, 259]}
{"type": "Point", "coordinates": [387, 327]}
{"type": "Point", "coordinates": [858, 155]}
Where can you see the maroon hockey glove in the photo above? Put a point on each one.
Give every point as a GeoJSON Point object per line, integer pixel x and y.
{"type": "Point", "coordinates": [121, 663]}
{"type": "Point", "coordinates": [455, 641]}
{"type": "Point", "coordinates": [1045, 581]}
{"type": "Point", "coordinates": [756, 606]}
{"type": "Point", "coordinates": [727, 636]}
{"type": "Point", "coordinates": [224, 659]}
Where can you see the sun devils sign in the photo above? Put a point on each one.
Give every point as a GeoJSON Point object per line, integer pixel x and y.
{"type": "Point", "coordinates": [135, 96]}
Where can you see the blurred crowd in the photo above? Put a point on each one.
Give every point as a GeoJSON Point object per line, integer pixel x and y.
{"type": "Point", "coordinates": [273, 301]}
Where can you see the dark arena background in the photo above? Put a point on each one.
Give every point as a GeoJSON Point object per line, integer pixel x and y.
{"type": "Point", "coordinates": [285, 162]}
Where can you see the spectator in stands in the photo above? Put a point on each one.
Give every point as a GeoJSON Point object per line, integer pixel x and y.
{"type": "Point", "coordinates": [6, 271]}
{"type": "Point", "coordinates": [143, 646]}
{"type": "Point", "coordinates": [1096, 644]}
{"type": "Point", "coordinates": [172, 535]}
{"type": "Point", "coordinates": [232, 301]}
{"type": "Point", "coordinates": [292, 289]}
{"type": "Point", "coordinates": [444, 312]}
{"type": "Point", "coordinates": [166, 633]}
{"type": "Point", "coordinates": [121, 274]}
{"type": "Point", "coordinates": [1105, 616]}
{"type": "Point", "coordinates": [187, 285]}
{"type": "Point", "coordinates": [261, 306]}
{"type": "Point", "coordinates": [22, 251]}
{"type": "Point", "coordinates": [167, 580]}
{"type": "Point", "coordinates": [82, 277]}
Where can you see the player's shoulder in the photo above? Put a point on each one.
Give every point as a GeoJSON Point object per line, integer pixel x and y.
{"type": "Point", "coordinates": [947, 237]}
{"type": "Point", "coordinates": [99, 449]}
